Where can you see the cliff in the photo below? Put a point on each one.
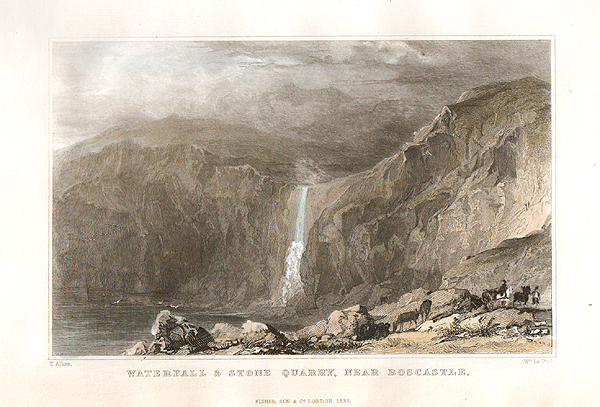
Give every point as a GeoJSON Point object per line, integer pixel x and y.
{"type": "Point", "coordinates": [478, 175]}
{"type": "Point", "coordinates": [173, 219]}
{"type": "Point", "coordinates": [178, 207]}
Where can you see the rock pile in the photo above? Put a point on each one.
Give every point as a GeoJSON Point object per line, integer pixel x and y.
{"type": "Point", "coordinates": [445, 314]}
{"type": "Point", "coordinates": [504, 321]}
{"type": "Point", "coordinates": [175, 334]}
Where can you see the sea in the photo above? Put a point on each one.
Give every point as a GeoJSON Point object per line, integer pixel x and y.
{"type": "Point", "coordinates": [98, 324]}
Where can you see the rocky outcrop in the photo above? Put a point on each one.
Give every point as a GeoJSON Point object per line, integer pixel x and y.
{"type": "Point", "coordinates": [349, 329]}
{"type": "Point", "coordinates": [348, 322]}
{"type": "Point", "coordinates": [481, 324]}
{"type": "Point", "coordinates": [478, 176]}
{"type": "Point", "coordinates": [174, 333]}
{"type": "Point", "coordinates": [313, 331]}
{"type": "Point", "coordinates": [258, 334]}
{"type": "Point", "coordinates": [443, 304]}
{"type": "Point", "coordinates": [525, 261]}
{"type": "Point", "coordinates": [500, 318]}
{"type": "Point", "coordinates": [226, 335]}
{"type": "Point", "coordinates": [173, 220]}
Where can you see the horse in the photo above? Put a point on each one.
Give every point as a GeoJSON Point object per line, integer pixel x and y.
{"type": "Point", "coordinates": [424, 309]}
{"type": "Point", "coordinates": [490, 296]}
{"type": "Point", "coordinates": [505, 300]}
{"type": "Point", "coordinates": [476, 302]}
{"type": "Point", "coordinates": [522, 296]}
{"type": "Point", "coordinates": [405, 317]}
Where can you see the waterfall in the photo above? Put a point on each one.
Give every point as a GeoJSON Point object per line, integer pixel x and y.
{"type": "Point", "coordinates": [292, 283]}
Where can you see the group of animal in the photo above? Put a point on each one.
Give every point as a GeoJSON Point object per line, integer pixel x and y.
{"type": "Point", "coordinates": [501, 296]}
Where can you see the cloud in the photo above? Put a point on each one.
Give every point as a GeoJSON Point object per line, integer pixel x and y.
{"type": "Point", "coordinates": [98, 85]}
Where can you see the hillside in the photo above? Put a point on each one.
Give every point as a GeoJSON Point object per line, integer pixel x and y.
{"type": "Point", "coordinates": [478, 175]}
{"type": "Point", "coordinates": [273, 154]}
{"type": "Point", "coordinates": [294, 159]}
{"type": "Point", "coordinates": [205, 210]}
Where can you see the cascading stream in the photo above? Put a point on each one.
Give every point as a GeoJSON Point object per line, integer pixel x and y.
{"type": "Point", "coordinates": [293, 284]}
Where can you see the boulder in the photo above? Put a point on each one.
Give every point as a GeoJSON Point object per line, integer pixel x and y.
{"type": "Point", "coordinates": [176, 337]}
{"type": "Point", "coordinates": [439, 325]}
{"type": "Point", "coordinates": [254, 331]}
{"type": "Point", "coordinates": [315, 330]}
{"type": "Point", "coordinates": [256, 334]}
{"type": "Point", "coordinates": [347, 323]}
{"type": "Point", "coordinates": [447, 302]}
{"type": "Point", "coordinates": [172, 332]}
{"type": "Point", "coordinates": [223, 333]}
{"type": "Point", "coordinates": [503, 318]}
{"type": "Point", "coordinates": [198, 339]}
{"type": "Point", "coordinates": [337, 323]}
{"type": "Point", "coordinates": [163, 318]}
{"type": "Point", "coordinates": [139, 348]}
{"type": "Point", "coordinates": [291, 336]}
{"type": "Point", "coordinates": [408, 302]}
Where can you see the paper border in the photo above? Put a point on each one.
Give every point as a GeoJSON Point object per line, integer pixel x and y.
{"type": "Point", "coordinates": [567, 379]}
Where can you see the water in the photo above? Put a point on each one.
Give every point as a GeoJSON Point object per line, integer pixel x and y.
{"type": "Point", "coordinates": [293, 284]}
{"type": "Point", "coordinates": [99, 324]}
{"type": "Point", "coordinates": [300, 216]}
{"type": "Point", "coordinates": [96, 325]}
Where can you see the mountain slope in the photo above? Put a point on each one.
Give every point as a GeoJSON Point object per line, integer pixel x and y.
{"type": "Point", "coordinates": [521, 261]}
{"type": "Point", "coordinates": [291, 158]}
{"type": "Point", "coordinates": [273, 154]}
{"type": "Point", "coordinates": [478, 175]}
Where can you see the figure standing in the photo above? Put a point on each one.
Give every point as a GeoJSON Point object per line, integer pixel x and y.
{"type": "Point", "coordinates": [535, 296]}
{"type": "Point", "coordinates": [502, 289]}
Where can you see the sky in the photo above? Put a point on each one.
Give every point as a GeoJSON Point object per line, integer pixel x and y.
{"type": "Point", "coordinates": [329, 90]}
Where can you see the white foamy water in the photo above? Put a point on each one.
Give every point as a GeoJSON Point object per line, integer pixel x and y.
{"type": "Point", "coordinates": [292, 284]}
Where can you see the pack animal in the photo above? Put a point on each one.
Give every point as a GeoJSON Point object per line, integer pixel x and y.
{"type": "Point", "coordinates": [504, 301]}
{"type": "Point", "coordinates": [490, 296]}
{"type": "Point", "coordinates": [405, 317]}
{"type": "Point", "coordinates": [424, 309]}
{"type": "Point", "coordinates": [523, 296]}
{"type": "Point", "coordinates": [476, 302]}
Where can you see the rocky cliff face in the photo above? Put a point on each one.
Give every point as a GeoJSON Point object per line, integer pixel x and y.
{"type": "Point", "coordinates": [176, 218]}
{"type": "Point", "coordinates": [525, 261]}
{"type": "Point", "coordinates": [478, 175]}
